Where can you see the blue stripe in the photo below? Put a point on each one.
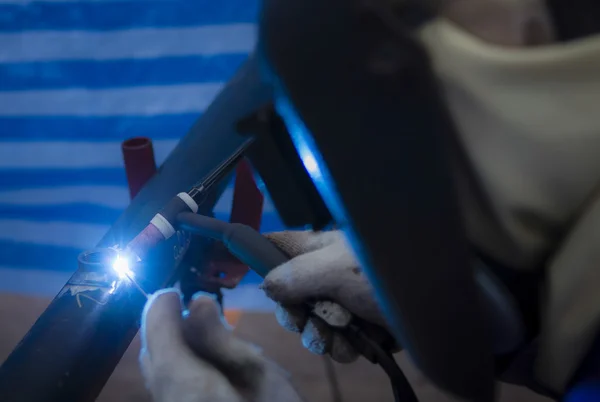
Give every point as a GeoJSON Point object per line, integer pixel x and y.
{"type": "Point", "coordinates": [64, 259]}
{"type": "Point", "coordinates": [52, 258]}
{"type": "Point", "coordinates": [160, 127]}
{"type": "Point", "coordinates": [19, 179]}
{"type": "Point", "coordinates": [271, 223]}
{"type": "Point", "coordinates": [80, 213]}
{"type": "Point", "coordinates": [96, 214]}
{"type": "Point", "coordinates": [24, 255]}
{"type": "Point", "coordinates": [118, 73]}
{"type": "Point", "coordinates": [123, 15]}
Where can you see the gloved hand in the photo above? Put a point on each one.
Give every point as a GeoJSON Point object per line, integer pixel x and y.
{"type": "Point", "coordinates": [193, 357]}
{"type": "Point", "coordinates": [322, 268]}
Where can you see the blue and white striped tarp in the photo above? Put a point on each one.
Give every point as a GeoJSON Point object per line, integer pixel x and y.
{"type": "Point", "coordinates": [77, 78]}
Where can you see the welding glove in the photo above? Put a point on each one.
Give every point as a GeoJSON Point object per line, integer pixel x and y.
{"type": "Point", "coordinates": [322, 268]}
{"type": "Point", "coordinates": [194, 357]}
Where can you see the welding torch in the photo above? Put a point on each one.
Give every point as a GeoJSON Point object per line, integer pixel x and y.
{"type": "Point", "coordinates": [163, 224]}
{"type": "Point", "coordinates": [256, 251]}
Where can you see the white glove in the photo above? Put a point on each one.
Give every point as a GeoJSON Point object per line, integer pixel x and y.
{"type": "Point", "coordinates": [197, 359]}
{"type": "Point", "coordinates": [322, 268]}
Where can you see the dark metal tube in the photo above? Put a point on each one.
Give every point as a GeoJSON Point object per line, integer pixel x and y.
{"type": "Point", "coordinates": [72, 349]}
{"type": "Point", "coordinates": [140, 165]}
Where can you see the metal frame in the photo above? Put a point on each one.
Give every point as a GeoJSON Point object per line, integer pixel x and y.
{"type": "Point", "coordinates": [74, 346]}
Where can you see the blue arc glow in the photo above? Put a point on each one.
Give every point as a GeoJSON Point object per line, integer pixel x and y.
{"type": "Point", "coordinates": [121, 267]}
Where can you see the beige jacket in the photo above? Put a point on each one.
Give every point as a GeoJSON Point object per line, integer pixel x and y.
{"type": "Point", "coordinates": [529, 120]}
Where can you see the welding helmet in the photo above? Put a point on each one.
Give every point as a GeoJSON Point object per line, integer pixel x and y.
{"type": "Point", "coordinates": [363, 109]}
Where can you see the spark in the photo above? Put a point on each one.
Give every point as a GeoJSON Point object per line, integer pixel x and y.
{"type": "Point", "coordinates": [121, 267]}
{"type": "Point", "coordinates": [113, 287]}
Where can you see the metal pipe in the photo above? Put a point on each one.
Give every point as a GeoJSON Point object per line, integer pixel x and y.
{"type": "Point", "coordinates": [72, 349]}
{"type": "Point", "coordinates": [140, 165]}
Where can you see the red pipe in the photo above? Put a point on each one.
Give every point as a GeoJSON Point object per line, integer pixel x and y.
{"type": "Point", "coordinates": [140, 166]}
{"type": "Point", "coordinates": [247, 206]}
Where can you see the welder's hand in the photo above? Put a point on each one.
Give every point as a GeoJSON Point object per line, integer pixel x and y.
{"type": "Point", "coordinates": [193, 357]}
{"type": "Point", "coordinates": [322, 268]}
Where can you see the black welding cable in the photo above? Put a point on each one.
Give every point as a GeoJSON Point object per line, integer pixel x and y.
{"type": "Point", "coordinates": [401, 388]}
